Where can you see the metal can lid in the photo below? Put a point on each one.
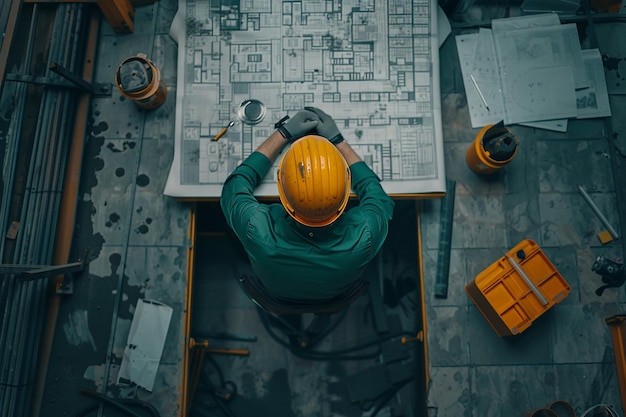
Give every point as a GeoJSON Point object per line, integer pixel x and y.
{"type": "Point", "coordinates": [251, 111]}
{"type": "Point", "coordinates": [134, 75]}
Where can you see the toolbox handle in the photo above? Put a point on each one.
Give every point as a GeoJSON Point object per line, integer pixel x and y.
{"type": "Point", "coordinates": [532, 286]}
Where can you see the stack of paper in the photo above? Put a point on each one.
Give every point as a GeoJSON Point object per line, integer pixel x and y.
{"type": "Point", "coordinates": [531, 70]}
{"type": "Point", "coordinates": [556, 6]}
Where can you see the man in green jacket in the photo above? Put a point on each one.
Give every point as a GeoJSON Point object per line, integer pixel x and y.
{"type": "Point", "coordinates": [309, 247]}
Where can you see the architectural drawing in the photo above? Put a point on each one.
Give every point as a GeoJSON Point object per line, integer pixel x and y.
{"type": "Point", "coordinates": [372, 65]}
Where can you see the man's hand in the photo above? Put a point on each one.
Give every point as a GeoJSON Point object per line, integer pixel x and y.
{"type": "Point", "coordinates": [327, 126]}
{"type": "Point", "coordinates": [299, 125]}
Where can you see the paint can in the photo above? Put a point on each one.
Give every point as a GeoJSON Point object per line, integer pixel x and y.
{"type": "Point", "coordinates": [493, 148]}
{"type": "Point", "coordinates": [541, 412]}
{"type": "Point", "coordinates": [139, 79]}
{"type": "Point", "coordinates": [562, 408]}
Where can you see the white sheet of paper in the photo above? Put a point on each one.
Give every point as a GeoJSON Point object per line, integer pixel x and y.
{"type": "Point", "coordinates": [477, 60]}
{"type": "Point", "coordinates": [146, 340]}
{"type": "Point", "coordinates": [539, 71]}
{"type": "Point", "coordinates": [593, 101]}
{"type": "Point", "coordinates": [539, 44]}
{"type": "Point", "coordinates": [525, 22]}
{"type": "Point", "coordinates": [559, 125]}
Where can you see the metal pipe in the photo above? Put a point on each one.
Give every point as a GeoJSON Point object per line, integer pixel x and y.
{"type": "Point", "coordinates": [67, 207]}
{"type": "Point", "coordinates": [53, 133]}
{"type": "Point", "coordinates": [41, 199]}
{"type": "Point", "coordinates": [8, 325]}
{"type": "Point", "coordinates": [596, 210]}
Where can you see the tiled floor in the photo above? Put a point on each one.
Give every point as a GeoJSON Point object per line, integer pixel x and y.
{"type": "Point", "coordinates": [140, 239]}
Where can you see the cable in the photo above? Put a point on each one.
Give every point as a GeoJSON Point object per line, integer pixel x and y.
{"type": "Point", "coordinates": [307, 354]}
{"type": "Point", "coordinates": [389, 395]}
{"type": "Point", "coordinates": [336, 354]}
{"type": "Point", "coordinates": [222, 393]}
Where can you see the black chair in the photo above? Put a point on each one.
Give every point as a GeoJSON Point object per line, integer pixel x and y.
{"type": "Point", "coordinates": [288, 313]}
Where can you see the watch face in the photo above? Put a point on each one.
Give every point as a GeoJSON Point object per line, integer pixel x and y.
{"type": "Point", "coordinates": [251, 112]}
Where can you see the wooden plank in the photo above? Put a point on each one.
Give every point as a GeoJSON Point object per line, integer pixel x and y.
{"type": "Point", "coordinates": [60, 1]}
{"type": "Point", "coordinates": [8, 37]}
{"type": "Point", "coordinates": [617, 324]}
{"type": "Point", "coordinates": [133, 2]}
{"type": "Point", "coordinates": [119, 13]}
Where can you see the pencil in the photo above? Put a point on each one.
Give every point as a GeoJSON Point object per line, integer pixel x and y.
{"type": "Point", "coordinates": [223, 131]}
{"type": "Point", "coordinates": [480, 93]}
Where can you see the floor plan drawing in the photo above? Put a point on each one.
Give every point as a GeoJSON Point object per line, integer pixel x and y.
{"type": "Point", "coordinates": [372, 65]}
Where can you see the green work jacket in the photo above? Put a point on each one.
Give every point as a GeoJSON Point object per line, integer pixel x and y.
{"type": "Point", "coordinates": [298, 262]}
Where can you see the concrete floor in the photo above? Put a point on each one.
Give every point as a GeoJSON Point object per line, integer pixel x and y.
{"type": "Point", "coordinates": [140, 240]}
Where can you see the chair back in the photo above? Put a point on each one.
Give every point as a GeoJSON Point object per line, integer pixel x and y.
{"type": "Point", "coordinates": [255, 290]}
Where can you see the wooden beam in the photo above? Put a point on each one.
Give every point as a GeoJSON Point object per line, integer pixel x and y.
{"type": "Point", "coordinates": [119, 13]}
{"type": "Point", "coordinates": [59, 1]}
{"type": "Point", "coordinates": [8, 37]}
{"type": "Point", "coordinates": [133, 2]}
{"type": "Point", "coordinates": [617, 324]}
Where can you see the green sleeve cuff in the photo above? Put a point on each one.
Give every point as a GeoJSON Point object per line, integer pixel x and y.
{"type": "Point", "coordinates": [360, 171]}
{"type": "Point", "coordinates": [259, 163]}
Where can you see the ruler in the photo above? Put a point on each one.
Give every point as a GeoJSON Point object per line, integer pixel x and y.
{"type": "Point", "coordinates": [445, 240]}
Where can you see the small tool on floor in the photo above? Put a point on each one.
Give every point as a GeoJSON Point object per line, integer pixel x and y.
{"type": "Point", "coordinates": [613, 273]}
{"type": "Point", "coordinates": [204, 345]}
{"type": "Point", "coordinates": [605, 236]}
{"type": "Point", "coordinates": [418, 337]}
{"type": "Point", "coordinates": [238, 337]}
{"type": "Point", "coordinates": [223, 131]}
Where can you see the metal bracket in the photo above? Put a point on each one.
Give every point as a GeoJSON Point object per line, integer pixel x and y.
{"type": "Point", "coordinates": [73, 81]}
{"type": "Point", "coordinates": [35, 272]}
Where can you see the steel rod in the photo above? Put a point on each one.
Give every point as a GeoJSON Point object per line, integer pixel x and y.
{"type": "Point", "coordinates": [40, 204]}
{"type": "Point", "coordinates": [9, 330]}
{"type": "Point", "coordinates": [596, 210]}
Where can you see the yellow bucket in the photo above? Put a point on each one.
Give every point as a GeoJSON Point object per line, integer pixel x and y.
{"type": "Point", "coordinates": [139, 79]}
{"type": "Point", "coordinates": [562, 408]}
{"type": "Point", "coordinates": [541, 412]}
{"type": "Point", "coordinates": [493, 148]}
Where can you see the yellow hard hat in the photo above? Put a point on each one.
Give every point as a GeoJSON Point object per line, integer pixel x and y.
{"type": "Point", "coordinates": [313, 181]}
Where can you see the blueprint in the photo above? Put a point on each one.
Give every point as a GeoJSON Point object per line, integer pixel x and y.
{"type": "Point", "coordinates": [372, 65]}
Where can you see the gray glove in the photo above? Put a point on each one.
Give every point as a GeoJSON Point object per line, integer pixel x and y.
{"type": "Point", "coordinates": [327, 126]}
{"type": "Point", "coordinates": [299, 125]}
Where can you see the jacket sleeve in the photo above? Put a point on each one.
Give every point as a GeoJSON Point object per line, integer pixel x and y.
{"type": "Point", "coordinates": [237, 200]}
{"type": "Point", "coordinates": [376, 205]}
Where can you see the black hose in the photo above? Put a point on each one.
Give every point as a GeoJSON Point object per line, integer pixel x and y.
{"type": "Point", "coordinates": [331, 355]}
{"type": "Point", "coordinates": [120, 404]}
{"type": "Point", "coordinates": [389, 395]}
{"type": "Point", "coordinates": [223, 384]}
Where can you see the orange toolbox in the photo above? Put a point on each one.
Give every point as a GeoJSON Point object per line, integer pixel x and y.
{"type": "Point", "coordinates": [518, 288]}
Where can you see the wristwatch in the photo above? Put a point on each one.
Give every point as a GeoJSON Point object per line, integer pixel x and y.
{"type": "Point", "coordinates": [337, 139]}
{"type": "Point", "coordinates": [280, 126]}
